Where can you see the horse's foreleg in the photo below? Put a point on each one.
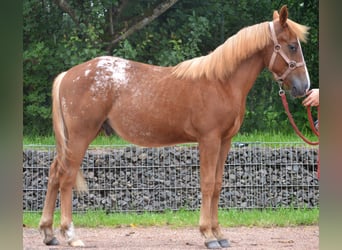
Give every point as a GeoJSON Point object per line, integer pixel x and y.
{"type": "Point", "coordinates": [225, 146]}
{"type": "Point", "coordinates": [46, 220]}
{"type": "Point", "coordinates": [209, 153]}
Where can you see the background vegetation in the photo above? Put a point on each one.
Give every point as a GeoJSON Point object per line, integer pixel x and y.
{"type": "Point", "coordinates": [60, 34]}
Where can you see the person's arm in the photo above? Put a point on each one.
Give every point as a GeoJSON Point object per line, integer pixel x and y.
{"type": "Point", "coordinates": [312, 98]}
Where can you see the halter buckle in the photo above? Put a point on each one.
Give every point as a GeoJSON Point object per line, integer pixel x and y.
{"type": "Point", "coordinates": [292, 65]}
{"type": "Point", "coordinates": [277, 47]}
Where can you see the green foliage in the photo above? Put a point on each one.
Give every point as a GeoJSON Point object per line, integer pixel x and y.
{"type": "Point", "coordinates": [48, 50]}
{"type": "Point", "coordinates": [126, 50]}
{"type": "Point", "coordinates": [54, 41]}
{"type": "Point", "coordinates": [37, 97]}
{"type": "Point", "coordinates": [80, 47]}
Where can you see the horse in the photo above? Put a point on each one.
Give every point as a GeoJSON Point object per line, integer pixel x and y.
{"type": "Point", "coordinates": [198, 100]}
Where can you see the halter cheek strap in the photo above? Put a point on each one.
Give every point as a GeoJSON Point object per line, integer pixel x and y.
{"type": "Point", "coordinates": [292, 65]}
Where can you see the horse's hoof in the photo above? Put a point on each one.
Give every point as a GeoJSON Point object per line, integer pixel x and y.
{"type": "Point", "coordinates": [214, 244]}
{"type": "Point", "coordinates": [224, 243]}
{"type": "Point", "coordinates": [52, 242]}
{"type": "Point", "coordinates": [76, 243]}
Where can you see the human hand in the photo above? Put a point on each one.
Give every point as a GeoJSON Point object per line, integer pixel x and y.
{"type": "Point", "coordinates": [312, 98]}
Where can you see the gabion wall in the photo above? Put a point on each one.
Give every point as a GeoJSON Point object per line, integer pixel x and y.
{"type": "Point", "coordinates": [132, 178]}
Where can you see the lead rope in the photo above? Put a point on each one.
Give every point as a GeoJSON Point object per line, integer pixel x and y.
{"type": "Point", "coordinates": [286, 107]}
{"type": "Point", "coordinates": [312, 125]}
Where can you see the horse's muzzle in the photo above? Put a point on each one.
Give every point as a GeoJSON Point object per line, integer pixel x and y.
{"type": "Point", "coordinates": [299, 87]}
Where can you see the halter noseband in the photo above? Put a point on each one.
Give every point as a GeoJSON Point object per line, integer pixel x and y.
{"type": "Point", "coordinates": [292, 65]}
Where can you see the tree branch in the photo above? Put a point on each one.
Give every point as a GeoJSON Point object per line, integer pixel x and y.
{"type": "Point", "coordinates": [160, 9]}
{"type": "Point", "coordinates": [66, 8]}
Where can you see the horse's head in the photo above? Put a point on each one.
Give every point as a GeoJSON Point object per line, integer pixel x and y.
{"type": "Point", "coordinates": [285, 57]}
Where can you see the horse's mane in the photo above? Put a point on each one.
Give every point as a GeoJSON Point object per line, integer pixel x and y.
{"type": "Point", "coordinates": [222, 62]}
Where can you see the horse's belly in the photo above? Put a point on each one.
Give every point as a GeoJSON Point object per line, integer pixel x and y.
{"type": "Point", "coordinates": [149, 132]}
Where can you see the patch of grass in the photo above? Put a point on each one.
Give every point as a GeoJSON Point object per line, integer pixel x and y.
{"type": "Point", "coordinates": [115, 140]}
{"type": "Point", "coordinates": [50, 140]}
{"type": "Point", "coordinates": [274, 136]}
{"type": "Point", "coordinates": [183, 218]}
{"type": "Point", "coordinates": [39, 140]}
{"type": "Point", "coordinates": [270, 217]}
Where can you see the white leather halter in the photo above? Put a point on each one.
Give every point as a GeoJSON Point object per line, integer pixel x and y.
{"type": "Point", "coordinates": [292, 65]}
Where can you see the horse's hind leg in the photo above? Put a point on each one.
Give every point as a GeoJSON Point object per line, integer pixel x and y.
{"type": "Point", "coordinates": [46, 220]}
{"type": "Point", "coordinates": [77, 145]}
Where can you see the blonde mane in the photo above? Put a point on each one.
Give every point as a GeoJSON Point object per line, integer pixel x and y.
{"type": "Point", "coordinates": [223, 61]}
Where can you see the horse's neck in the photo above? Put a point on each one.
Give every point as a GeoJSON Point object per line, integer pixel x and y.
{"type": "Point", "coordinates": [246, 74]}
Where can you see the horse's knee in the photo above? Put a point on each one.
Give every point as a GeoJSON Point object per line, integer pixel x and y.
{"type": "Point", "coordinates": [211, 188]}
{"type": "Point", "coordinates": [54, 175]}
{"type": "Point", "coordinates": [217, 188]}
{"type": "Point", "coordinates": [207, 188]}
{"type": "Point", "coordinates": [67, 180]}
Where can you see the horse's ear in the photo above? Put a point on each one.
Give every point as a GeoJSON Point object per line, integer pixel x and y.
{"type": "Point", "coordinates": [283, 15]}
{"type": "Point", "coordinates": [275, 15]}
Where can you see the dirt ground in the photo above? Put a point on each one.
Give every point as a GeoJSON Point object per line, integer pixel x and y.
{"type": "Point", "coordinates": [301, 238]}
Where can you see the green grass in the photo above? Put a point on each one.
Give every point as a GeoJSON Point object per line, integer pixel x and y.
{"type": "Point", "coordinates": [50, 140]}
{"type": "Point", "coordinates": [232, 218]}
{"type": "Point", "coordinates": [114, 140]}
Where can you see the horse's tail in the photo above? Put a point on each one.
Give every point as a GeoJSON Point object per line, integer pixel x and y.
{"type": "Point", "coordinates": [61, 134]}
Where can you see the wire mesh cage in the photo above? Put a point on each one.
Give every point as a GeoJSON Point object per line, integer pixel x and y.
{"type": "Point", "coordinates": [131, 178]}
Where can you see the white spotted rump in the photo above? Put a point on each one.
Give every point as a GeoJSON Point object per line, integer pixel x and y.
{"type": "Point", "coordinates": [110, 72]}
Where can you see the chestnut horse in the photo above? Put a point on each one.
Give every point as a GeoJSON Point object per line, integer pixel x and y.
{"type": "Point", "coordinates": [199, 100]}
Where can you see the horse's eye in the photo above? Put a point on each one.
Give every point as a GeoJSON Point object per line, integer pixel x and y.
{"type": "Point", "coordinates": [292, 47]}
